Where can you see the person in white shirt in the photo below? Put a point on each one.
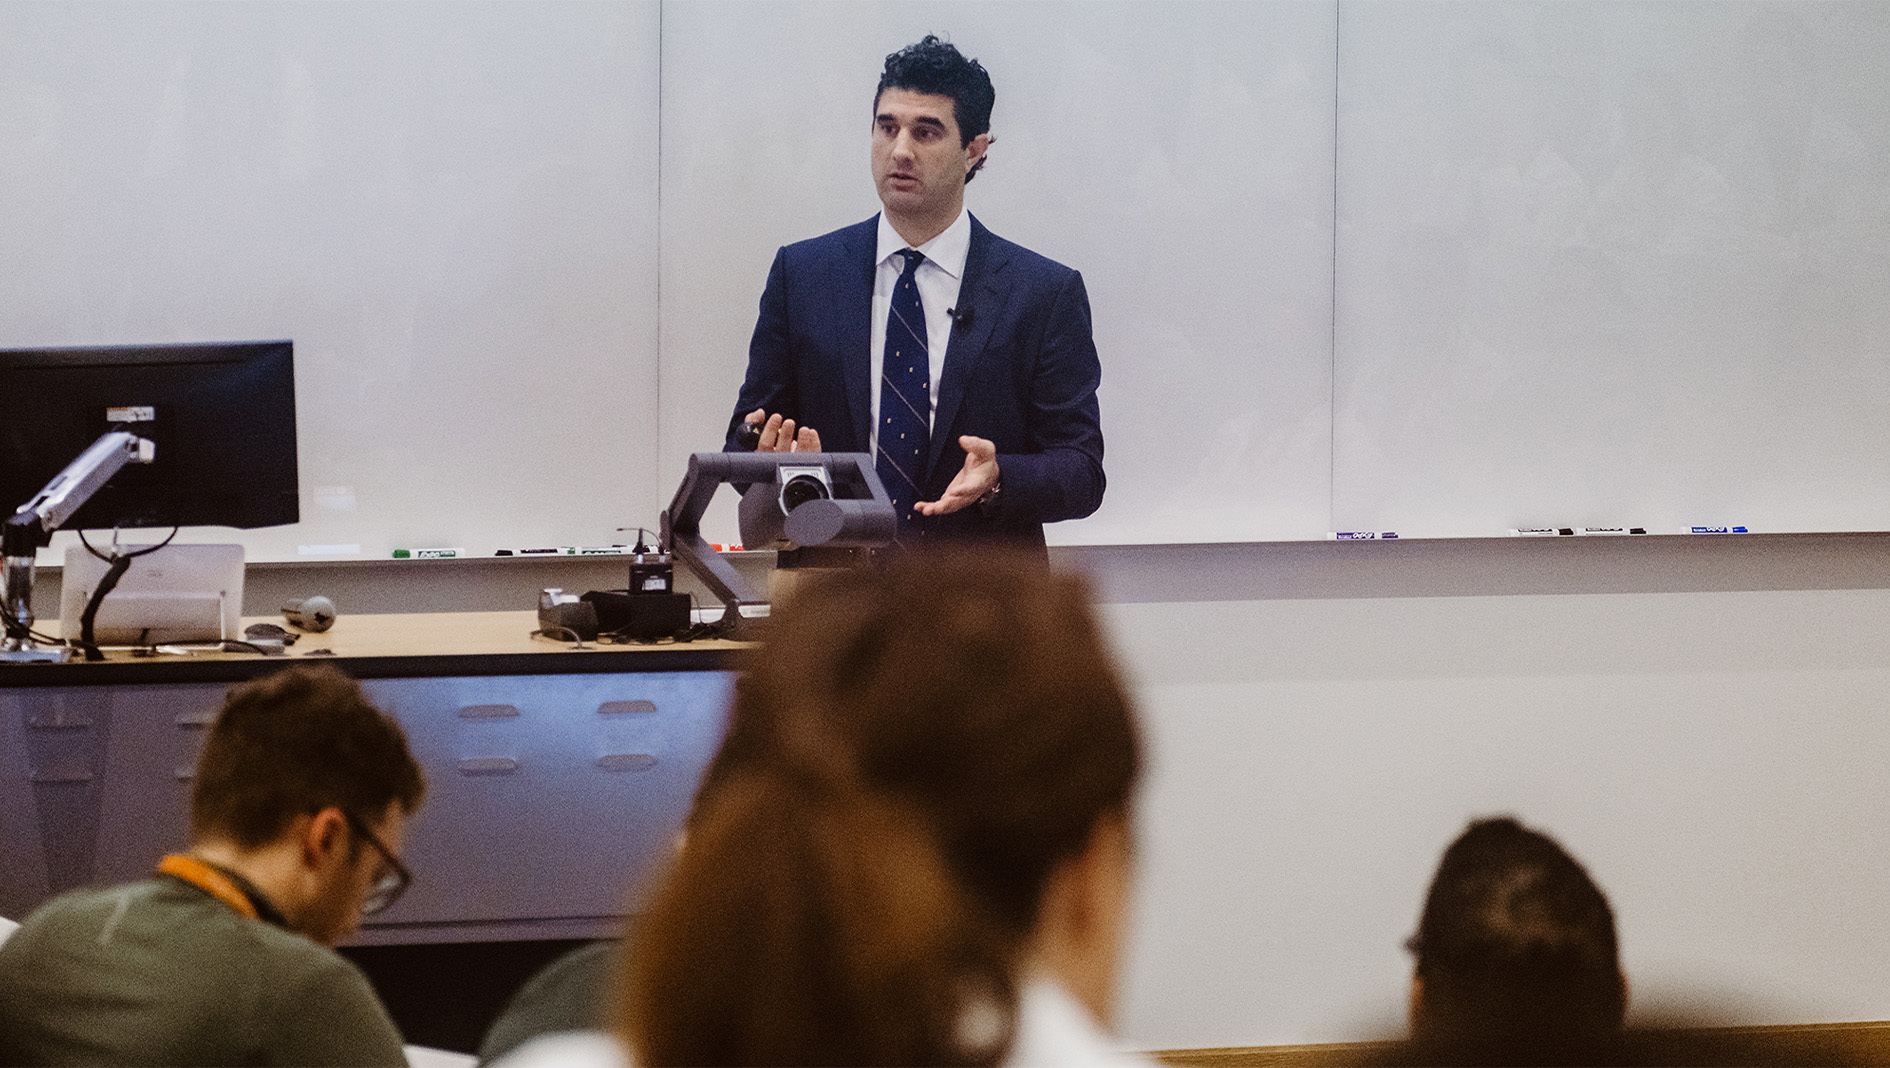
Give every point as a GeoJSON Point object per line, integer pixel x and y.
{"type": "Point", "coordinates": [914, 846]}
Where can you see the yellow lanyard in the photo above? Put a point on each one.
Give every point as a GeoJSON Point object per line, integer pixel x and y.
{"type": "Point", "coordinates": [209, 880]}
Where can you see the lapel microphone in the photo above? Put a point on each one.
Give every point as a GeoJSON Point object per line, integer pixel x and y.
{"type": "Point", "coordinates": [961, 315]}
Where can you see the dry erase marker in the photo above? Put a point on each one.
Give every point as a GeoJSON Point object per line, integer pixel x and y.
{"type": "Point", "coordinates": [1542, 532]}
{"type": "Point", "coordinates": [1609, 531]}
{"type": "Point", "coordinates": [597, 550]}
{"type": "Point", "coordinates": [1363, 535]}
{"type": "Point", "coordinates": [1719, 530]}
{"type": "Point", "coordinates": [549, 550]}
{"type": "Point", "coordinates": [428, 554]}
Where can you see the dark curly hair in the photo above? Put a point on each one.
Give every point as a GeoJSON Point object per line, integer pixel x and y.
{"type": "Point", "coordinates": [938, 67]}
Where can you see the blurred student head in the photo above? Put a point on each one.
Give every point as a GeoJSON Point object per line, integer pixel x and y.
{"type": "Point", "coordinates": [923, 799]}
{"type": "Point", "coordinates": [1516, 954]}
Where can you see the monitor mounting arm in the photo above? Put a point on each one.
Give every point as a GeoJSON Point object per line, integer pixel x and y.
{"type": "Point", "coordinates": [31, 528]}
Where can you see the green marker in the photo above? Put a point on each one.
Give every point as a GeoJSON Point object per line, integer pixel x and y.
{"type": "Point", "coordinates": [428, 554]}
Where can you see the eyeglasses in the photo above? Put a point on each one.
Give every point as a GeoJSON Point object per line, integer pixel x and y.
{"type": "Point", "coordinates": [393, 878]}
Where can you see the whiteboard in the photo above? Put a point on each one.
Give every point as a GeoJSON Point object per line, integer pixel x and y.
{"type": "Point", "coordinates": [1444, 269]}
{"type": "Point", "coordinates": [1612, 264]}
{"type": "Point", "coordinates": [449, 207]}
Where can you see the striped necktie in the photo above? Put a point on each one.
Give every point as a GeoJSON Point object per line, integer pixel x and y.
{"type": "Point", "coordinates": [905, 398]}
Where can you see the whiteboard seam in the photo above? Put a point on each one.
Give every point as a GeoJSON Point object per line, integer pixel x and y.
{"type": "Point", "coordinates": [1332, 339]}
{"type": "Point", "coordinates": [662, 47]}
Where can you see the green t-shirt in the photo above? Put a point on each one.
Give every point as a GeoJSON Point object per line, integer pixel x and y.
{"type": "Point", "coordinates": [162, 973]}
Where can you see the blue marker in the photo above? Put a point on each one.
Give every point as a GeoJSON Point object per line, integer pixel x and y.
{"type": "Point", "coordinates": [1720, 530]}
{"type": "Point", "coordinates": [1363, 535]}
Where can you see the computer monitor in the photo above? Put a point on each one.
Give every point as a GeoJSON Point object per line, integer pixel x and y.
{"type": "Point", "coordinates": [222, 417]}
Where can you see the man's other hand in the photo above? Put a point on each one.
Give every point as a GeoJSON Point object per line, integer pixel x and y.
{"type": "Point", "coordinates": [780, 435]}
{"type": "Point", "coordinates": [972, 481]}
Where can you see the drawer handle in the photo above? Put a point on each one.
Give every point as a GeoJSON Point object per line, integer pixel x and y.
{"type": "Point", "coordinates": [626, 708]}
{"type": "Point", "coordinates": [488, 712]}
{"type": "Point", "coordinates": [195, 719]}
{"type": "Point", "coordinates": [60, 720]}
{"type": "Point", "coordinates": [626, 762]}
{"type": "Point", "coordinates": [488, 766]}
{"type": "Point", "coordinates": [61, 776]}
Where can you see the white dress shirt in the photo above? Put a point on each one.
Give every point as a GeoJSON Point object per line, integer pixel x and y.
{"type": "Point", "coordinates": [1055, 1031]}
{"type": "Point", "coordinates": [938, 279]}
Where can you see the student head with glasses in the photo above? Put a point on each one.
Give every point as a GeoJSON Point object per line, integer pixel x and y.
{"type": "Point", "coordinates": [303, 792]}
{"type": "Point", "coordinates": [298, 807]}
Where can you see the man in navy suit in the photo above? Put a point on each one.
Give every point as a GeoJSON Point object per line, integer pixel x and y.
{"type": "Point", "coordinates": [1007, 433]}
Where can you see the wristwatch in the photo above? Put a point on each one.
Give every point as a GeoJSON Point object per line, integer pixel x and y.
{"type": "Point", "coordinates": [988, 504]}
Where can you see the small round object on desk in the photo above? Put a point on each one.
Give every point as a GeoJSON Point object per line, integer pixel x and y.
{"type": "Point", "coordinates": [312, 614]}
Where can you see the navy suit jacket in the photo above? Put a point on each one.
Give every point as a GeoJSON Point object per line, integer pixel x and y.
{"type": "Point", "coordinates": [1021, 371]}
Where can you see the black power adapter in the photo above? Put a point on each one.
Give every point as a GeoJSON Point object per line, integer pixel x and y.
{"type": "Point", "coordinates": [651, 571]}
{"type": "Point", "coordinates": [642, 616]}
{"type": "Point", "coordinates": [650, 608]}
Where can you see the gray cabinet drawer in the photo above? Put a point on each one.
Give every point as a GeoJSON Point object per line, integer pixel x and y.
{"type": "Point", "coordinates": [548, 796]}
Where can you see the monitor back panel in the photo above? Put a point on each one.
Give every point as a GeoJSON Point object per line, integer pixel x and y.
{"type": "Point", "coordinates": [180, 593]}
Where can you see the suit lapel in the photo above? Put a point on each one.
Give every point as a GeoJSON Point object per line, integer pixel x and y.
{"type": "Point", "coordinates": [853, 296]}
{"type": "Point", "coordinates": [983, 290]}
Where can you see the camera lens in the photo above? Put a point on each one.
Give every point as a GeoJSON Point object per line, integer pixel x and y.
{"type": "Point", "coordinates": [799, 490]}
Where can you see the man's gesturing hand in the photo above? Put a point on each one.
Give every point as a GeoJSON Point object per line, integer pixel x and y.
{"type": "Point", "coordinates": [972, 481]}
{"type": "Point", "coordinates": [778, 434]}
